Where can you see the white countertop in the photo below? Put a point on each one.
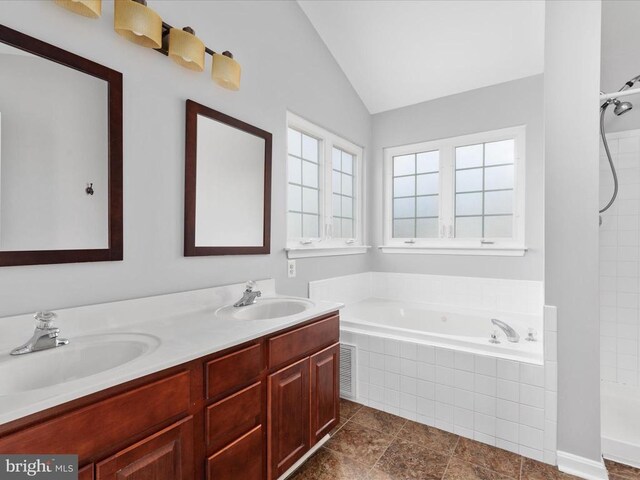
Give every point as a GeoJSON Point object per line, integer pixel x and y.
{"type": "Point", "coordinates": [185, 324]}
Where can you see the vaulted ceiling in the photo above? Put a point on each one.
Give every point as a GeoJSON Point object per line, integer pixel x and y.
{"type": "Point", "coordinates": [398, 53]}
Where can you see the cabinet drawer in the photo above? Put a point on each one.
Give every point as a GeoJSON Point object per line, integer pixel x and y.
{"type": "Point", "coordinates": [234, 415]}
{"type": "Point", "coordinates": [165, 455]}
{"type": "Point", "coordinates": [301, 341]}
{"type": "Point", "coordinates": [241, 459]}
{"type": "Point", "coordinates": [233, 370]}
{"type": "Point", "coordinates": [100, 426]}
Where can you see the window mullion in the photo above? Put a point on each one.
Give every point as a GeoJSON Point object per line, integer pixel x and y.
{"type": "Point", "coordinates": [447, 193]}
{"type": "Point", "coordinates": [327, 217]}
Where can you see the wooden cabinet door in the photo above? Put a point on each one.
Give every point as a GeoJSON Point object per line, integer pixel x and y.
{"type": "Point", "coordinates": [86, 473]}
{"type": "Point", "coordinates": [241, 459]}
{"type": "Point", "coordinates": [325, 392]}
{"type": "Point", "coordinates": [165, 455]}
{"type": "Point", "coordinates": [288, 422]}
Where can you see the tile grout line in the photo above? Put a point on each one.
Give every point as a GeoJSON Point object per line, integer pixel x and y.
{"type": "Point", "coordinates": [453, 451]}
{"type": "Point", "coordinates": [388, 446]}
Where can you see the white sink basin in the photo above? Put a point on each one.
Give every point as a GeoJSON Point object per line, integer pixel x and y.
{"type": "Point", "coordinates": [82, 357]}
{"type": "Point", "coordinates": [267, 309]}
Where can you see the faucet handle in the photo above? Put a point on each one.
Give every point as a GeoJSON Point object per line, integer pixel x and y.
{"type": "Point", "coordinates": [44, 320]}
{"type": "Point", "coordinates": [251, 285]}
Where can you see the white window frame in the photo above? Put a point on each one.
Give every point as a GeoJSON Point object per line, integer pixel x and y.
{"type": "Point", "coordinates": [446, 244]}
{"type": "Point", "coordinates": [325, 245]}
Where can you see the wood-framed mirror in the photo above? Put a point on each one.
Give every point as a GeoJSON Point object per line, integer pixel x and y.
{"type": "Point", "coordinates": [227, 185]}
{"type": "Point", "coordinates": [60, 155]}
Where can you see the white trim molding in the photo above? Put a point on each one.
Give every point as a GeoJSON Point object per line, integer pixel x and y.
{"type": "Point", "coordinates": [455, 250]}
{"type": "Point", "coordinates": [328, 251]}
{"type": "Point", "coordinates": [582, 467]}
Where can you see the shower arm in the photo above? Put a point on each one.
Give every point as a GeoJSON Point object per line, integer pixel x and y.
{"type": "Point", "coordinates": [624, 91]}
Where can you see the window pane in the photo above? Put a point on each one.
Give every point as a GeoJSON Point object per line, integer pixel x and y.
{"type": "Point", "coordinates": [310, 174]}
{"type": "Point", "coordinates": [347, 184]}
{"type": "Point", "coordinates": [295, 170]}
{"type": "Point", "coordinates": [295, 225]}
{"type": "Point", "coordinates": [295, 198]}
{"type": "Point", "coordinates": [498, 227]}
{"type": "Point", "coordinates": [309, 200]}
{"type": "Point", "coordinates": [404, 186]}
{"type": "Point", "coordinates": [404, 228]}
{"type": "Point", "coordinates": [337, 228]}
{"type": "Point", "coordinates": [404, 165]}
{"type": "Point", "coordinates": [469, 227]}
{"type": "Point", "coordinates": [469, 180]}
{"type": "Point", "coordinates": [499, 152]}
{"type": "Point", "coordinates": [469, 204]}
{"type": "Point", "coordinates": [295, 142]}
{"type": "Point", "coordinates": [427, 228]}
{"type": "Point", "coordinates": [498, 202]}
{"type": "Point", "coordinates": [310, 226]}
{"type": "Point", "coordinates": [428, 184]}
{"type": "Point", "coordinates": [469, 156]}
{"type": "Point", "coordinates": [336, 182]}
{"type": "Point", "coordinates": [337, 202]}
{"type": "Point", "coordinates": [336, 156]}
{"type": "Point", "coordinates": [427, 206]}
{"type": "Point", "coordinates": [404, 207]}
{"type": "Point", "coordinates": [347, 207]}
{"type": "Point", "coordinates": [309, 148]}
{"type": "Point", "coordinates": [498, 177]}
{"type": "Point", "coordinates": [347, 162]}
{"type": "Point", "coordinates": [428, 162]}
{"type": "Point", "coordinates": [347, 228]}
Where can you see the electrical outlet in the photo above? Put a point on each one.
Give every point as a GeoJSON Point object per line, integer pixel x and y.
{"type": "Point", "coordinates": [291, 268]}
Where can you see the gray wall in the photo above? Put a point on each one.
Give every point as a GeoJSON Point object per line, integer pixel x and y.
{"type": "Point", "coordinates": [572, 45]}
{"type": "Point", "coordinates": [505, 105]}
{"type": "Point", "coordinates": [285, 66]}
{"type": "Point", "coordinates": [620, 57]}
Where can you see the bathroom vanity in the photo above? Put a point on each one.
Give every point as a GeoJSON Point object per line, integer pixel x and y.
{"type": "Point", "coordinates": [248, 411]}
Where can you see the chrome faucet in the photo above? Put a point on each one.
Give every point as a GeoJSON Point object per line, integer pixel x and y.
{"type": "Point", "coordinates": [44, 337]}
{"type": "Point", "coordinates": [511, 334]}
{"type": "Point", "coordinates": [249, 297]}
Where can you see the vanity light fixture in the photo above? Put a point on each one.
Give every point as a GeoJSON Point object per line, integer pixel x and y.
{"type": "Point", "coordinates": [225, 71]}
{"type": "Point", "coordinates": [186, 49]}
{"type": "Point", "coordinates": [86, 8]}
{"type": "Point", "coordinates": [138, 23]}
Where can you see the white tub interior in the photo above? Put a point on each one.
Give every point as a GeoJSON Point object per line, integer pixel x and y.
{"type": "Point", "coordinates": [449, 312]}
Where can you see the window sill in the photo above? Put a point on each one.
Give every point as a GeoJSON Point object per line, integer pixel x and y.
{"type": "Point", "coordinates": [318, 251]}
{"type": "Point", "coordinates": [504, 251]}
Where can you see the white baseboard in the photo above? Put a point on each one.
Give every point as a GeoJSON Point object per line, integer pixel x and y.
{"type": "Point", "coordinates": [582, 467]}
{"type": "Point", "coordinates": [306, 456]}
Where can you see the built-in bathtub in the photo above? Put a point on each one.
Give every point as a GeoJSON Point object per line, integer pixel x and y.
{"type": "Point", "coordinates": [462, 329]}
{"type": "Point", "coordinates": [422, 351]}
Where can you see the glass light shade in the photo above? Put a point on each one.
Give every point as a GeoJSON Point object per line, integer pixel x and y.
{"type": "Point", "coordinates": [186, 49]}
{"type": "Point", "coordinates": [225, 71]}
{"type": "Point", "coordinates": [138, 23]}
{"type": "Point", "coordinates": [86, 8]}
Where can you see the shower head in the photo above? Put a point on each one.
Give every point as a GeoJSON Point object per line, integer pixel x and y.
{"type": "Point", "coordinates": [621, 107]}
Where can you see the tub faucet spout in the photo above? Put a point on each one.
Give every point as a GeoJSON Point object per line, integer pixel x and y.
{"type": "Point", "coordinates": [511, 334]}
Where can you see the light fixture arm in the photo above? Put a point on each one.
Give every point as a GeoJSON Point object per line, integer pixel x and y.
{"type": "Point", "coordinates": [166, 28]}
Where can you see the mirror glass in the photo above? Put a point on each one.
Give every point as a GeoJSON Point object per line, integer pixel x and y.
{"type": "Point", "coordinates": [228, 185]}
{"type": "Point", "coordinates": [54, 155]}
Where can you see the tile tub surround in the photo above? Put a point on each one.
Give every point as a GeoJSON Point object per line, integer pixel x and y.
{"type": "Point", "coordinates": [375, 445]}
{"type": "Point", "coordinates": [503, 403]}
{"type": "Point", "coordinates": [184, 323]}
{"type": "Point", "coordinates": [490, 294]}
{"type": "Point", "coordinates": [620, 262]}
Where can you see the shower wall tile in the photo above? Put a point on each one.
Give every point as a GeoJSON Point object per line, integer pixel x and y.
{"type": "Point", "coordinates": [620, 262]}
